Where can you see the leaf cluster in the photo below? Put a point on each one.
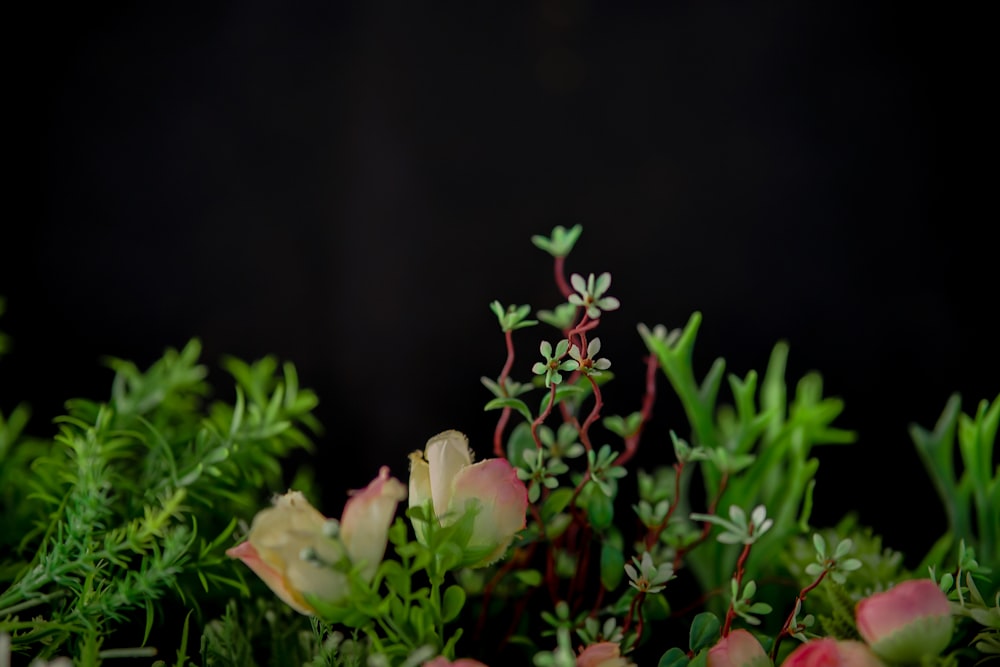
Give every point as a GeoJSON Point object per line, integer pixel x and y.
{"type": "Point", "coordinates": [130, 506]}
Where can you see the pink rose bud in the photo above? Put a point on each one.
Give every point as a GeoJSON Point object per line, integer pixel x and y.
{"type": "Point", "coordinates": [738, 649]}
{"type": "Point", "coordinates": [292, 547]}
{"type": "Point", "coordinates": [907, 623]}
{"type": "Point", "coordinates": [603, 654]}
{"type": "Point", "coordinates": [444, 662]}
{"type": "Point", "coordinates": [829, 652]}
{"type": "Point", "coordinates": [445, 475]}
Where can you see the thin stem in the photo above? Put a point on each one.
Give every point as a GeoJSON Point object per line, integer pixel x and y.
{"type": "Point", "coordinates": [136, 652]}
{"type": "Point", "coordinates": [542, 417]}
{"type": "Point", "coordinates": [28, 604]}
{"type": "Point", "coordinates": [706, 527]}
{"type": "Point", "coordinates": [516, 559]}
{"type": "Point", "coordinates": [740, 572]}
{"type": "Point", "coordinates": [654, 533]}
{"type": "Point", "coordinates": [580, 576]}
{"type": "Point", "coordinates": [559, 269]}
{"type": "Point", "coordinates": [786, 628]}
{"type": "Point", "coordinates": [632, 441]}
{"type": "Point", "coordinates": [498, 433]}
{"type": "Point", "coordinates": [502, 381]}
{"type": "Point", "coordinates": [595, 413]}
{"type": "Point", "coordinates": [635, 611]}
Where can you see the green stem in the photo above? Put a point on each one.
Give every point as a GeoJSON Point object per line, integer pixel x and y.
{"type": "Point", "coordinates": [436, 605]}
{"type": "Point", "coordinates": [28, 604]}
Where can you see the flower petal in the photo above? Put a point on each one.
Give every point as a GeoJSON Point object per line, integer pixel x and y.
{"type": "Point", "coordinates": [278, 536]}
{"type": "Point", "coordinates": [274, 579]}
{"type": "Point", "coordinates": [909, 622]}
{"type": "Point", "coordinates": [447, 453]}
{"type": "Point", "coordinates": [503, 502]}
{"type": "Point", "coordinates": [602, 654]}
{"type": "Point", "coordinates": [364, 526]}
{"type": "Point", "coordinates": [738, 649]}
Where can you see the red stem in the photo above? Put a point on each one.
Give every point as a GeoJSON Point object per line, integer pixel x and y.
{"type": "Point", "coordinates": [595, 413]}
{"type": "Point", "coordinates": [505, 413]}
{"type": "Point", "coordinates": [654, 533]}
{"type": "Point", "coordinates": [785, 629]}
{"type": "Point", "coordinates": [635, 609]}
{"type": "Point", "coordinates": [740, 571]}
{"type": "Point", "coordinates": [706, 527]}
{"type": "Point", "coordinates": [559, 268]}
{"type": "Point", "coordinates": [632, 441]}
{"type": "Point", "coordinates": [542, 417]}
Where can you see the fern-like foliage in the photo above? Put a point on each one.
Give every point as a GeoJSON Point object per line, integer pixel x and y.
{"type": "Point", "coordinates": [131, 502]}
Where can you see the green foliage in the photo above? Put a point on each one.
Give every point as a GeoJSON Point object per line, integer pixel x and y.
{"type": "Point", "coordinates": [759, 450]}
{"type": "Point", "coordinates": [561, 242]}
{"type": "Point", "coordinates": [109, 515]}
{"type": "Point", "coordinates": [971, 497]}
{"type": "Point", "coordinates": [123, 516]}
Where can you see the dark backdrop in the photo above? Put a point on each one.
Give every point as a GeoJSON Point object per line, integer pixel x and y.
{"type": "Point", "coordinates": [349, 187]}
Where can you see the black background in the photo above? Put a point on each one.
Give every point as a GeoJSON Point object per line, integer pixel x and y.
{"type": "Point", "coordinates": [348, 187]}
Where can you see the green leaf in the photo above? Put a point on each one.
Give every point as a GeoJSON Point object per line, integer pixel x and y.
{"type": "Point", "coordinates": [419, 621]}
{"type": "Point", "coordinates": [700, 660]}
{"type": "Point", "coordinates": [556, 503]}
{"type": "Point", "coordinates": [600, 510]}
{"type": "Point", "coordinates": [531, 578]}
{"type": "Point", "coordinates": [675, 657]}
{"type": "Point", "coordinates": [520, 441]}
{"type": "Point", "coordinates": [704, 631]}
{"type": "Point", "coordinates": [396, 577]}
{"type": "Point", "coordinates": [515, 403]}
{"type": "Point", "coordinates": [452, 603]}
{"type": "Point", "coordinates": [561, 242]}
{"type": "Point", "coordinates": [612, 566]}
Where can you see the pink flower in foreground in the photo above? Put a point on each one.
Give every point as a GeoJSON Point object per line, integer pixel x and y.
{"type": "Point", "coordinates": [908, 622]}
{"type": "Point", "coordinates": [441, 661]}
{"type": "Point", "coordinates": [738, 649]}
{"type": "Point", "coordinates": [291, 546]}
{"type": "Point", "coordinates": [829, 652]}
{"type": "Point", "coordinates": [603, 654]}
{"type": "Point", "coordinates": [445, 475]}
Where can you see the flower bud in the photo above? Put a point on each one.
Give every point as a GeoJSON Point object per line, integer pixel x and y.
{"type": "Point", "coordinates": [829, 652]}
{"type": "Point", "coordinates": [738, 649]}
{"type": "Point", "coordinates": [445, 476]}
{"type": "Point", "coordinates": [907, 623]}
{"type": "Point", "coordinates": [291, 549]}
{"type": "Point", "coordinates": [603, 654]}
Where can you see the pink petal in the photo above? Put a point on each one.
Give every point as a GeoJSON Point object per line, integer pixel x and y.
{"type": "Point", "coordinates": [364, 526]}
{"type": "Point", "coordinates": [503, 500]}
{"type": "Point", "coordinates": [603, 654]}
{"type": "Point", "coordinates": [270, 576]}
{"type": "Point", "coordinates": [828, 652]}
{"type": "Point", "coordinates": [738, 649]}
{"type": "Point", "coordinates": [882, 614]}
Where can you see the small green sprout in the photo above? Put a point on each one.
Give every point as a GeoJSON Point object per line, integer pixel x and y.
{"type": "Point", "coordinates": [736, 530]}
{"type": "Point", "coordinates": [590, 294]}
{"type": "Point", "coordinates": [561, 242]}
{"type": "Point", "coordinates": [589, 364]}
{"type": "Point", "coordinates": [646, 577]}
{"type": "Point", "coordinates": [553, 365]}
{"type": "Point", "coordinates": [512, 317]}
